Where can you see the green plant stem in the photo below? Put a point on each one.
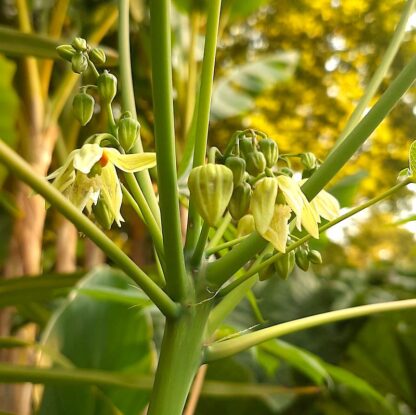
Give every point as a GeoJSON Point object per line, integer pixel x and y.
{"type": "Point", "coordinates": [345, 150]}
{"type": "Point", "coordinates": [177, 282]}
{"type": "Point", "coordinates": [381, 71]}
{"type": "Point", "coordinates": [230, 347]}
{"type": "Point", "coordinates": [24, 171]}
{"type": "Point", "coordinates": [203, 112]}
{"type": "Point", "coordinates": [258, 267]}
{"type": "Point", "coordinates": [130, 199]}
{"type": "Point", "coordinates": [128, 100]}
{"type": "Point", "coordinates": [225, 245]}
{"type": "Point", "coordinates": [180, 358]}
{"type": "Point", "coordinates": [219, 233]}
{"type": "Point", "coordinates": [139, 205]}
{"type": "Point", "coordinates": [200, 246]}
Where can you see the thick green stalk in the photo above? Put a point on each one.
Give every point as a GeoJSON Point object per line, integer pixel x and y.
{"type": "Point", "coordinates": [203, 112]}
{"type": "Point", "coordinates": [218, 272]}
{"type": "Point", "coordinates": [24, 171]}
{"type": "Point", "coordinates": [258, 267]}
{"type": "Point", "coordinates": [176, 276]}
{"type": "Point", "coordinates": [128, 100]}
{"type": "Point", "coordinates": [230, 347]}
{"type": "Point", "coordinates": [345, 150]}
{"type": "Point", "coordinates": [381, 71]}
{"type": "Point", "coordinates": [180, 358]}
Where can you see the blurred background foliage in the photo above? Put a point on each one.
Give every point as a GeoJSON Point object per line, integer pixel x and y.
{"type": "Point", "coordinates": [295, 70]}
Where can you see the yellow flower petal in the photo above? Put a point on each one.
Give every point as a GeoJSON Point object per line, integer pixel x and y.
{"type": "Point", "coordinates": [245, 226]}
{"type": "Point", "coordinates": [86, 157]}
{"type": "Point", "coordinates": [326, 205]}
{"type": "Point", "coordinates": [111, 193]}
{"type": "Point", "coordinates": [131, 163]}
{"type": "Point", "coordinates": [278, 229]}
{"type": "Point", "coordinates": [262, 202]}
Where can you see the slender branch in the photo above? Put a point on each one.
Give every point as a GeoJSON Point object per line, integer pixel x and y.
{"type": "Point", "coordinates": [381, 71]}
{"type": "Point", "coordinates": [203, 111]}
{"type": "Point", "coordinates": [225, 245]}
{"type": "Point", "coordinates": [230, 347]}
{"type": "Point", "coordinates": [128, 100]}
{"type": "Point", "coordinates": [200, 246]}
{"type": "Point", "coordinates": [176, 277]}
{"type": "Point", "coordinates": [345, 150]}
{"type": "Point", "coordinates": [219, 233]}
{"type": "Point", "coordinates": [24, 171]}
{"type": "Point", "coordinates": [258, 267]}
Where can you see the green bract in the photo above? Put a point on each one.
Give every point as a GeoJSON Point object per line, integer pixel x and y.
{"type": "Point", "coordinates": [211, 187]}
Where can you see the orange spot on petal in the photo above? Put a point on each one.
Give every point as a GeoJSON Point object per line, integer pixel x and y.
{"type": "Point", "coordinates": [103, 159]}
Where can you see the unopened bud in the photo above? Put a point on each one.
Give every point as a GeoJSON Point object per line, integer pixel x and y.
{"type": "Point", "coordinates": [66, 52]}
{"type": "Point", "coordinates": [107, 87]}
{"type": "Point", "coordinates": [128, 130]}
{"type": "Point", "coordinates": [97, 56]}
{"type": "Point", "coordinates": [80, 44]}
{"type": "Point", "coordinates": [79, 62]}
{"type": "Point", "coordinates": [83, 107]}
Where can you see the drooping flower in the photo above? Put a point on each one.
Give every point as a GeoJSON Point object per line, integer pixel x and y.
{"type": "Point", "coordinates": [271, 215]}
{"type": "Point", "coordinates": [89, 174]}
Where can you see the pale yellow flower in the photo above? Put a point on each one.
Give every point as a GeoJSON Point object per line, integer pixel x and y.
{"type": "Point", "coordinates": [90, 173]}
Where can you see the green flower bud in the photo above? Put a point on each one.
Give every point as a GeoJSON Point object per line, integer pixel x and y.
{"type": "Point", "coordinates": [246, 146]}
{"type": "Point", "coordinates": [245, 226]}
{"type": "Point", "coordinates": [80, 44]}
{"type": "Point", "coordinates": [308, 160]}
{"type": "Point", "coordinates": [107, 87]}
{"type": "Point", "coordinates": [270, 150]}
{"type": "Point", "coordinates": [97, 56]}
{"type": "Point", "coordinates": [267, 272]}
{"type": "Point", "coordinates": [79, 62]}
{"type": "Point", "coordinates": [315, 257]}
{"type": "Point", "coordinates": [103, 214]}
{"type": "Point", "coordinates": [238, 166]}
{"type": "Point", "coordinates": [128, 130]}
{"type": "Point", "coordinates": [301, 258]}
{"type": "Point", "coordinates": [83, 107]}
{"type": "Point", "coordinates": [66, 52]}
{"type": "Point", "coordinates": [256, 163]}
{"type": "Point", "coordinates": [284, 265]}
{"type": "Point", "coordinates": [240, 201]}
{"type": "Point", "coordinates": [211, 187]}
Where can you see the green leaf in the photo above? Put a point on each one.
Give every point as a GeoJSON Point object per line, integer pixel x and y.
{"type": "Point", "coordinates": [412, 158]}
{"type": "Point", "coordinates": [346, 189]}
{"type": "Point", "coordinates": [304, 361]}
{"type": "Point", "coordinates": [9, 103]}
{"type": "Point", "coordinates": [239, 9]}
{"type": "Point", "coordinates": [23, 290]}
{"type": "Point", "coordinates": [235, 93]}
{"type": "Point", "coordinates": [102, 335]}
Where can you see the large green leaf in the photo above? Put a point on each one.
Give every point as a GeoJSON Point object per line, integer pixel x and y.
{"type": "Point", "coordinates": [103, 335]}
{"type": "Point", "coordinates": [235, 93]}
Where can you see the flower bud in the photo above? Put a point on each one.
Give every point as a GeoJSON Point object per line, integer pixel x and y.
{"type": "Point", "coordinates": [79, 62]}
{"type": "Point", "coordinates": [240, 201]}
{"type": "Point", "coordinates": [83, 107]}
{"type": "Point", "coordinates": [301, 258]}
{"type": "Point", "coordinates": [238, 166]}
{"type": "Point", "coordinates": [97, 56]}
{"type": "Point", "coordinates": [315, 257]}
{"type": "Point", "coordinates": [286, 171]}
{"type": "Point", "coordinates": [211, 187]}
{"type": "Point", "coordinates": [128, 130]}
{"type": "Point", "coordinates": [80, 44]}
{"type": "Point", "coordinates": [267, 272]}
{"type": "Point", "coordinates": [107, 87]}
{"type": "Point", "coordinates": [103, 214]}
{"type": "Point", "coordinates": [284, 265]}
{"type": "Point", "coordinates": [270, 151]}
{"type": "Point", "coordinates": [245, 226]}
{"type": "Point", "coordinates": [308, 160]}
{"type": "Point", "coordinates": [256, 163]}
{"type": "Point", "coordinates": [66, 52]}
{"type": "Point", "coordinates": [262, 203]}
{"type": "Point", "coordinates": [246, 145]}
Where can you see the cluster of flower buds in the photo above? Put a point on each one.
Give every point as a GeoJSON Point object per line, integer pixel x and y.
{"type": "Point", "coordinates": [250, 182]}
{"type": "Point", "coordinates": [83, 57]}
